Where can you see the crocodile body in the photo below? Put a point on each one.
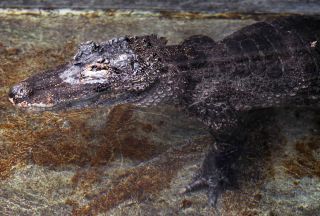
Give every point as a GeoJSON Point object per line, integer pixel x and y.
{"type": "Point", "coordinates": [267, 64]}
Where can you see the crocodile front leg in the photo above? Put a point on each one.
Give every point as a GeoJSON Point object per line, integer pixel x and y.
{"type": "Point", "coordinates": [228, 128]}
{"type": "Point", "coordinates": [216, 172]}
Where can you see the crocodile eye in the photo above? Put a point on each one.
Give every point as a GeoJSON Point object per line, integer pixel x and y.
{"type": "Point", "coordinates": [77, 63]}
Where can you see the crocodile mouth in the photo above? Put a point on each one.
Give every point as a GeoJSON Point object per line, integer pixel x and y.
{"type": "Point", "coordinates": [25, 104]}
{"type": "Point", "coordinates": [104, 99]}
{"type": "Point", "coordinates": [49, 91]}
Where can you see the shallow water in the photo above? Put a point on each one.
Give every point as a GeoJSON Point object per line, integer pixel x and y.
{"type": "Point", "coordinates": [130, 160]}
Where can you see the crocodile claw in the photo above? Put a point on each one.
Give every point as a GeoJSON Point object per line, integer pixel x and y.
{"type": "Point", "coordinates": [196, 184]}
{"type": "Point", "coordinates": [214, 185]}
{"type": "Point", "coordinates": [216, 174]}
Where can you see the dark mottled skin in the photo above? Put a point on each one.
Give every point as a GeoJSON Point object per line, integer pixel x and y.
{"type": "Point", "coordinates": [267, 64]}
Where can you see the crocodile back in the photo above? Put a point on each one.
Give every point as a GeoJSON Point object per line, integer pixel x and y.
{"type": "Point", "coordinates": [275, 61]}
{"type": "Point", "coordinates": [267, 64]}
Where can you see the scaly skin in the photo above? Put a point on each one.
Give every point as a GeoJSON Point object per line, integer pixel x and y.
{"type": "Point", "coordinates": [267, 64]}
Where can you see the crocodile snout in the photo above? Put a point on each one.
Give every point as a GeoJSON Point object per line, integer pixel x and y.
{"type": "Point", "coordinates": [20, 91]}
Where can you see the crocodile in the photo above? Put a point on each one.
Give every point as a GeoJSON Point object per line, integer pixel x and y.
{"type": "Point", "coordinates": [271, 63]}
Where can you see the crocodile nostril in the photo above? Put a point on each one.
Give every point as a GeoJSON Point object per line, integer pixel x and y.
{"type": "Point", "coordinates": [20, 90]}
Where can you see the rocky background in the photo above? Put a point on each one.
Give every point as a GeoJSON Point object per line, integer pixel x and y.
{"type": "Point", "coordinates": [131, 161]}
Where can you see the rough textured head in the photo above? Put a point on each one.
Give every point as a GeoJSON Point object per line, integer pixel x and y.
{"type": "Point", "coordinates": [121, 70]}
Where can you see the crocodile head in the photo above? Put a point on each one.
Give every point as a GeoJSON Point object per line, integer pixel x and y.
{"type": "Point", "coordinates": [121, 70]}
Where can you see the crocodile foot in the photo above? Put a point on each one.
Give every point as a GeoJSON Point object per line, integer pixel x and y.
{"type": "Point", "coordinates": [215, 184]}
{"type": "Point", "coordinates": [215, 174]}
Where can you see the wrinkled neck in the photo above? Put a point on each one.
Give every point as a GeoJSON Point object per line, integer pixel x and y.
{"type": "Point", "coordinates": [182, 68]}
{"type": "Point", "coordinates": [169, 89]}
